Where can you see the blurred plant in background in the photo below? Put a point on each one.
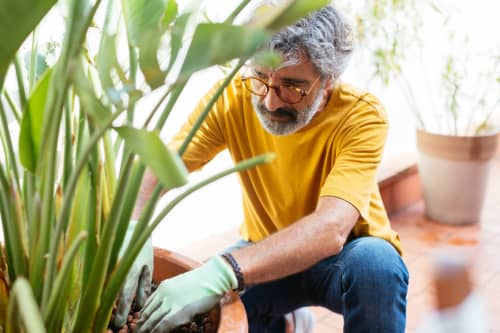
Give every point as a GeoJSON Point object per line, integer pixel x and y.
{"type": "Point", "coordinates": [425, 49]}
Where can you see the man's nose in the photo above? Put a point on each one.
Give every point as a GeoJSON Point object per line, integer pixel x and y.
{"type": "Point", "coordinates": [272, 101]}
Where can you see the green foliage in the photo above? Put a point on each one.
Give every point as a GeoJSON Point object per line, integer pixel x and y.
{"type": "Point", "coordinates": [13, 31]}
{"type": "Point", "coordinates": [23, 308]}
{"type": "Point", "coordinates": [31, 125]}
{"type": "Point", "coordinates": [165, 163]}
{"type": "Point", "coordinates": [69, 186]}
{"type": "Point", "coordinates": [210, 38]}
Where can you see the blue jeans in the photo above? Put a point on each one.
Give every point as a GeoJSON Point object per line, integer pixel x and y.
{"type": "Point", "coordinates": [366, 282]}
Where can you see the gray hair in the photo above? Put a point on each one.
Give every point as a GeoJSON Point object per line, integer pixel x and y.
{"type": "Point", "coordinates": [324, 37]}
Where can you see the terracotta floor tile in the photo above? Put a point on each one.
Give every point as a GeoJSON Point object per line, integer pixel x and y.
{"type": "Point", "coordinates": [418, 308]}
{"type": "Point", "coordinates": [420, 276]}
{"type": "Point", "coordinates": [472, 235]}
{"type": "Point", "coordinates": [410, 255]}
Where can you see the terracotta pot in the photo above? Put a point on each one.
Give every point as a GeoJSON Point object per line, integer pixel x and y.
{"type": "Point", "coordinates": [454, 174]}
{"type": "Point", "coordinates": [233, 317]}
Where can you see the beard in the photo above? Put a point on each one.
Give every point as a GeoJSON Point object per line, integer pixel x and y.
{"type": "Point", "coordinates": [290, 119]}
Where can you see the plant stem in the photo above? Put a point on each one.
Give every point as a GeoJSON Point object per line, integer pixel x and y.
{"type": "Point", "coordinates": [20, 82]}
{"type": "Point", "coordinates": [68, 199]}
{"type": "Point", "coordinates": [33, 61]}
{"type": "Point", "coordinates": [62, 275]}
{"type": "Point", "coordinates": [13, 107]}
{"type": "Point", "coordinates": [22, 294]}
{"type": "Point", "coordinates": [91, 295]}
{"type": "Point", "coordinates": [236, 12]}
{"type": "Point", "coordinates": [209, 106]}
{"type": "Point", "coordinates": [10, 156]}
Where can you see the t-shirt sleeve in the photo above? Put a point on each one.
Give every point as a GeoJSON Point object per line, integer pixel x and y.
{"type": "Point", "coordinates": [358, 153]}
{"type": "Point", "coordinates": [209, 140]}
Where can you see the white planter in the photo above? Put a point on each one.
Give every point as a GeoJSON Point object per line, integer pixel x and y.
{"type": "Point", "coordinates": [454, 174]}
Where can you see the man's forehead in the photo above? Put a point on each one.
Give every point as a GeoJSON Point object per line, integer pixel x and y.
{"type": "Point", "coordinates": [286, 67]}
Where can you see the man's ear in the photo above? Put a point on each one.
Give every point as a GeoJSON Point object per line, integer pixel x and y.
{"type": "Point", "coordinates": [327, 91]}
{"type": "Point", "coordinates": [329, 84]}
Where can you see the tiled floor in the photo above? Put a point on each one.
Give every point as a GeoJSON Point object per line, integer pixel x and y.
{"type": "Point", "coordinates": [421, 239]}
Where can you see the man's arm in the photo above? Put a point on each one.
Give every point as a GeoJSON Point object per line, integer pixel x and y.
{"type": "Point", "coordinates": [301, 245]}
{"type": "Point", "coordinates": [293, 249]}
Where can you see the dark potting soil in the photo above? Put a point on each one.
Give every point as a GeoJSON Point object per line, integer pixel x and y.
{"type": "Point", "coordinates": [202, 323]}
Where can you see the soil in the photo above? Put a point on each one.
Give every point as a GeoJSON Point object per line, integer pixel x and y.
{"type": "Point", "coordinates": [202, 323]}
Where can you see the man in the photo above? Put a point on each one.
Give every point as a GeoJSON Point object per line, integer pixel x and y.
{"type": "Point", "coordinates": [315, 231]}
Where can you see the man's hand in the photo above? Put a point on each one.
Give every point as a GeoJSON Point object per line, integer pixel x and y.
{"type": "Point", "coordinates": [179, 299]}
{"type": "Point", "coordinates": [138, 281]}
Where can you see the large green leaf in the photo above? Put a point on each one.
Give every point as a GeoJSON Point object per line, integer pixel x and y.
{"type": "Point", "coordinates": [146, 21]}
{"type": "Point", "coordinates": [176, 35]}
{"type": "Point", "coordinates": [31, 124]}
{"type": "Point", "coordinates": [17, 20]}
{"type": "Point", "coordinates": [164, 162]}
{"type": "Point", "coordinates": [106, 60]}
{"type": "Point", "coordinates": [275, 17]}
{"type": "Point", "coordinates": [91, 104]}
{"type": "Point", "coordinates": [217, 43]}
{"type": "Point", "coordinates": [171, 11]}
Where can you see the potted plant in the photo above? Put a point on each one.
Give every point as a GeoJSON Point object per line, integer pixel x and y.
{"type": "Point", "coordinates": [70, 175]}
{"type": "Point", "coordinates": [451, 88]}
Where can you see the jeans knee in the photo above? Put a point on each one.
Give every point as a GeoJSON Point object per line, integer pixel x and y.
{"type": "Point", "coordinates": [375, 265]}
{"type": "Point", "coordinates": [374, 286]}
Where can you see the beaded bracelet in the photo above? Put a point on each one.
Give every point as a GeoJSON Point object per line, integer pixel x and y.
{"type": "Point", "coordinates": [236, 269]}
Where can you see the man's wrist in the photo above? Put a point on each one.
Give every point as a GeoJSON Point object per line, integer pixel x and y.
{"type": "Point", "coordinates": [228, 257]}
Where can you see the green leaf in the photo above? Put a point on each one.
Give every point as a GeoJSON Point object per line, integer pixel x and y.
{"type": "Point", "coordinates": [146, 21]}
{"type": "Point", "coordinates": [148, 59]}
{"type": "Point", "coordinates": [297, 10]}
{"type": "Point", "coordinates": [176, 34]}
{"type": "Point", "coordinates": [18, 19]}
{"type": "Point", "coordinates": [210, 45]}
{"type": "Point", "coordinates": [106, 61]}
{"type": "Point", "coordinates": [31, 124]}
{"type": "Point", "coordinates": [267, 58]}
{"type": "Point", "coordinates": [23, 309]}
{"type": "Point", "coordinates": [171, 12]}
{"type": "Point", "coordinates": [59, 292]}
{"type": "Point", "coordinates": [141, 16]}
{"type": "Point", "coordinates": [275, 17]}
{"type": "Point", "coordinates": [97, 111]}
{"type": "Point", "coordinates": [165, 163]}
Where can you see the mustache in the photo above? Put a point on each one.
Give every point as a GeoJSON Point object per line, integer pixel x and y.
{"type": "Point", "coordinates": [280, 112]}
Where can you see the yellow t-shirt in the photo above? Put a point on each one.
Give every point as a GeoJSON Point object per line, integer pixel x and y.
{"type": "Point", "coordinates": [337, 154]}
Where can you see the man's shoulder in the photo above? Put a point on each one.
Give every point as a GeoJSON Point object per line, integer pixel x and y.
{"type": "Point", "coordinates": [357, 101]}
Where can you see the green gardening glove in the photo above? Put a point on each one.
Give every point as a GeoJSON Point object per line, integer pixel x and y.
{"type": "Point", "coordinates": [179, 299]}
{"type": "Point", "coordinates": [138, 281]}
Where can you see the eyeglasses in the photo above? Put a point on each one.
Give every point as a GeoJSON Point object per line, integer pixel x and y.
{"type": "Point", "coordinates": [286, 92]}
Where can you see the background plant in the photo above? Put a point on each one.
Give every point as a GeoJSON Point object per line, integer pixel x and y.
{"type": "Point", "coordinates": [449, 80]}
{"type": "Point", "coordinates": [70, 178]}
